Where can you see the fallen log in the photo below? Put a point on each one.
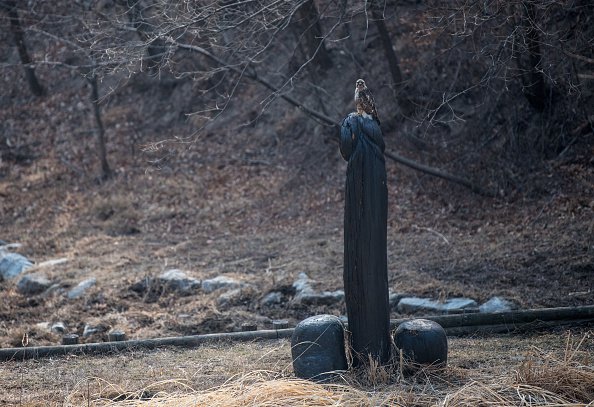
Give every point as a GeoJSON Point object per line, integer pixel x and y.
{"type": "Point", "coordinates": [36, 352]}
{"type": "Point", "coordinates": [454, 325]}
{"type": "Point", "coordinates": [514, 328]}
{"type": "Point", "coordinates": [509, 317]}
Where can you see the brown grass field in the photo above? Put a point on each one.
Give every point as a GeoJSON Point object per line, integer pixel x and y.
{"type": "Point", "coordinates": [552, 368]}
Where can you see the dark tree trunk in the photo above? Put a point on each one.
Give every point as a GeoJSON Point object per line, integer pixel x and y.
{"type": "Point", "coordinates": [403, 102]}
{"type": "Point", "coordinates": [155, 46]}
{"type": "Point", "coordinates": [388, 46]}
{"type": "Point", "coordinates": [311, 31]}
{"type": "Point", "coordinates": [9, 7]}
{"type": "Point", "coordinates": [365, 235]}
{"type": "Point", "coordinates": [101, 149]}
{"type": "Point", "coordinates": [532, 77]}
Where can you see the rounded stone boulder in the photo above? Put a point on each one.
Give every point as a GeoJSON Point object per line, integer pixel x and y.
{"type": "Point", "coordinates": [422, 343]}
{"type": "Point", "coordinates": [317, 348]}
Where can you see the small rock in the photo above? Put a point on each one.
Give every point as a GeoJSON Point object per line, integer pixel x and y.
{"type": "Point", "coordinates": [323, 298]}
{"type": "Point", "coordinates": [53, 262]}
{"type": "Point", "coordinates": [9, 246]}
{"type": "Point", "coordinates": [70, 339]}
{"type": "Point", "coordinates": [272, 298]}
{"type": "Point", "coordinates": [58, 327]}
{"type": "Point", "coordinates": [94, 329]}
{"type": "Point", "coordinates": [13, 264]}
{"type": "Point", "coordinates": [302, 286]}
{"type": "Point", "coordinates": [33, 284]}
{"type": "Point", "coordinates": [497, 304]}
{"type": "Point", "coordinates": [394, 299]}
{"type": "Point", "coordinates": [450, 306]}
{"type": "Point", "coordinates": [280, 324]}
{"type": "Point", "coordinates": [249, 326]}
{"type": "Point", "coordinates": [116, 335]}
{"type": "Point", "coordinates": [421, 342]}
{"type": "Point", "coordinates": [229, 297]}
{"type": "Point", "coordinates": [55, 288]}
{"type": "Point", "coordinates": [177, 280]}
{"type": "Point", "coordinates": [218, 282]}
{"type": "Point", "coordinates": [305, 294]}
{"type": "Point", "coordinates": [142, 286]}
{"type": "Point", "coordinates": [81, 287]}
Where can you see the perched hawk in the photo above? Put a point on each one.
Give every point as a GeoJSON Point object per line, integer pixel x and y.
{"type": "Point", "coordinates": [364, 100]}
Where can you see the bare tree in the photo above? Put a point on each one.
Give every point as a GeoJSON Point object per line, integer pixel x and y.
{"type": "Point", "coordinates": [308, 21]}
{"type": "Point", "coordinates": [81, 61]}
{"type": "Point", "coordinates": [503, 50]}
{"type": "Point", "coordinates": [530, 61]}
{"type": "Point", "coordinates": [377, 12]}
{"type": "Point", "coordinates": [244, 40]}
{"type": "Point", "coordinates": [155, 46]}
{"type": "Point", "coordinates": [100, 130]}
{"type": "Point", "coordinates": [10, 8]}
{"type": "Point", "coordinates": [472, 62]}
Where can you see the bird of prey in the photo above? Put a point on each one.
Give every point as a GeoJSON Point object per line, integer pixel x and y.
{"type": "Point", "coordinates": [364, 101]}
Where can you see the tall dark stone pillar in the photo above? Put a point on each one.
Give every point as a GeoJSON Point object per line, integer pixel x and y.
{"type": "Point", "coordinates": [365, 235]}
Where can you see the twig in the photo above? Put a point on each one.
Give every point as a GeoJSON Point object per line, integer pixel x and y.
{"type": "Point", "coordinates": [432, 231]}
{"type": "Point", "coordinates": [580, 57]}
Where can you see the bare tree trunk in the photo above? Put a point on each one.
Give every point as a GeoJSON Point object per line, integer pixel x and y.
{"type": "Point", "coordinates": [102, 151]}
{"type": "Point", "coordinates": [312, 33]}
{"type": "Point", "coordinates": [155, 46]}
{"type": "Point", "coordinates": [393, 63]}
{"type": "Point", "coordinates": [387, 45]}
{"type": "Point", "coordinates": [9, 6]}
{"type": "Point", "coordinates": [532, 77]}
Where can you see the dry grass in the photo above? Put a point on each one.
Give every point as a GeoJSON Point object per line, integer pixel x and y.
{"type": "Point", "coordinates": [256, 389]}
{"type": "Point", "coordinates": [571, 376]}
{"type": "Point", "coordinates": [504, 395]}
{"type": "Point", "coordinates": [562, 382]}
{"type": "Point", "coordinates": [547, 369]}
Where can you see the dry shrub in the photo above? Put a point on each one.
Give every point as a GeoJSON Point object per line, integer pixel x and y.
{"type": "Point", "coordinates": [570, 377]}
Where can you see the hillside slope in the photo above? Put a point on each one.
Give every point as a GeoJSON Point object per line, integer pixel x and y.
{"type": "Point", "coordinates": [257, 196]}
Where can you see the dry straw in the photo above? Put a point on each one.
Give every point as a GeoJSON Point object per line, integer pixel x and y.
{"type": "Point", "coordinates": [571, 376]}
{"type": "Point", "coordinates": [540, 380]}
{"type": "Point", "coordinates": [260, 389]}
{"type": "Point", "coordinates": [475, 394]}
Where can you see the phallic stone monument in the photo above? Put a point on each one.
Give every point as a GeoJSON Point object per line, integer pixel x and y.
{"type": "Point", "coordinates": [365, 235]}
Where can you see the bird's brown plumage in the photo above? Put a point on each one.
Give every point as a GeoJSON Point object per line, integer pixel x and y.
{"type": "Point", "coordinates": [364, 100]}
